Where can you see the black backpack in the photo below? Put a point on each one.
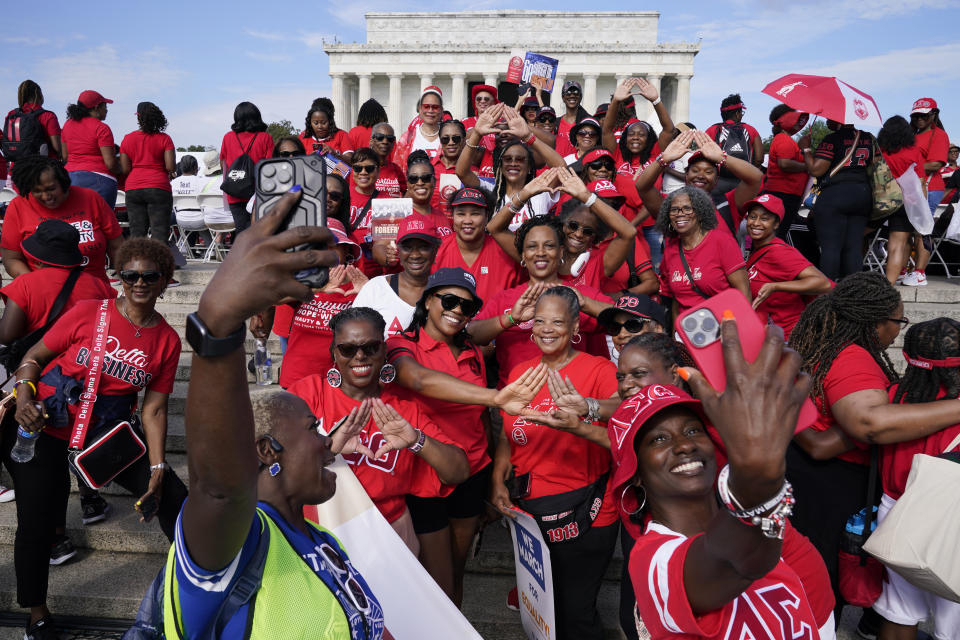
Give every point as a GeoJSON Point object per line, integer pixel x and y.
{"type": "Point", "coordinates": [734, 139]}
{"type": "Point", "coordinates": [238, 181]}
{"type": "Point", "coordinates": [23, 135]}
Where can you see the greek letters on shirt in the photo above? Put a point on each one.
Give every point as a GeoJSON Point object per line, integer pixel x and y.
{"type": "Point", "coordinates": [125, 365]}
{"type": "Point", "coordinates": [681, 276]}
{"type": "Point", "coordinates": [374, 440]}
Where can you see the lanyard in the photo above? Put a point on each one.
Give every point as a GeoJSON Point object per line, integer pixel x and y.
{"type": "Point", "coordinates": [94, 369]}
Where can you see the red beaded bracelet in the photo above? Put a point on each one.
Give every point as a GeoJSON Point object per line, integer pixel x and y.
{"type": "Point", "coordinates": [529, 141]}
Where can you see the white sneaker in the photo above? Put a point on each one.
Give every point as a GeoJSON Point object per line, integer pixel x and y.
{"type": "Point", "coordinates": [903, 273]}
{"type": "Point", "coordinates": [6, 495]}
{"type": "Point", "coordinates": [910, 280]}
{"type": "Point", "coordinates": [921, 278]}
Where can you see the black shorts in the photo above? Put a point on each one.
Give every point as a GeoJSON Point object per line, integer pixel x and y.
{"type": "Point", "coordinates": [898, 221]}
{"type": "Point", "coordinates": [466, 501]}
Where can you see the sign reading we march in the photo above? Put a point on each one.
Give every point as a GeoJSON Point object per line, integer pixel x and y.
{"type": "Point", "coordinates": [534, 577]}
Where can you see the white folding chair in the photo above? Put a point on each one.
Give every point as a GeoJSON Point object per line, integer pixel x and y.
{"type": "Point", "coordinates": [938, 240]}
{"type": "Point", "coordinates": [7, 194]}
{"type": "Point", "coordinates": [219, 222]}
{"type": "Point", "coordinates": [875, 259]}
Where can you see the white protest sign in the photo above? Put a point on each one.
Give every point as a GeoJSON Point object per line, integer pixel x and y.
{"type": "Point", "coordinates": [534, 577]}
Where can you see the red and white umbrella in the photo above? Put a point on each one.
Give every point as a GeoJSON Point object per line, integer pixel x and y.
{"type": "Point", "coordinates": [826, 96]}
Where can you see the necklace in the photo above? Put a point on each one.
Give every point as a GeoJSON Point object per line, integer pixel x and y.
{"type": "Point", "coordinates": [136, 329]}
{"type": "Point", "coordinates": [436, 131]}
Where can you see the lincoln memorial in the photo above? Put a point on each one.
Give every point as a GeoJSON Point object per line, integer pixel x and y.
{"type": "Point", "coordinates": [405, 52]}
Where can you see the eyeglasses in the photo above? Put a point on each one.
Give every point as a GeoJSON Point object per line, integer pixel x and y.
{"type": "Point", "coordinates": [364, 168]}
{"type": "Point", "coordinates": [425, 178]}
{"type": "Point", "coordinates": [288, 154]}
{"type": "Point", "coordinates": [369, 349]}
{"type": "Point", "coordinates": [632, 325]}
{"type": "Point", "coordinates": [334, 196]}
{"type": "Point", "coordinates": [380, 137]}
{"type": "Point", "coordinates": [575, 226]}
{"type": "Point", "coordinates": [450, 139]}
{"type": "Point", "coordinates": [597, 165]}
{"type": "Point", "coordinates": [588, 132]}
{"type": "Point", "coordinates": [129, 276]}
{"type": "Point", "coordinates": [431, 107]}
{"type": "Point", "coordinates": [686, 209]}
{"type": "Point", "coordinates": [450, 302]}
{"type": "Point", "coordinates": [904, 321]}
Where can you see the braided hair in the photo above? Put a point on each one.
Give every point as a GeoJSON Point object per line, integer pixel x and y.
{"type": "Point", "coordinates": [500, 186]}
{"type": "Point", "coordinates": [936, 340]}
{"type": "Point", "coordinates": [847, 315]}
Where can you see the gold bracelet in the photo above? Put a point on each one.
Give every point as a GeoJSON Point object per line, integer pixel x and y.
{"type": "Point", "coordinates": [472, 146]}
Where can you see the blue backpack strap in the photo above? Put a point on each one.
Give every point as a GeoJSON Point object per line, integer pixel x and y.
{"type": "Point", "coordinates": [245, 587]}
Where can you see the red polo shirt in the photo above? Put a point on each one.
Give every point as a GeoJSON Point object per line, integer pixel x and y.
{"type": "Point", "coordinates": [494, 270]}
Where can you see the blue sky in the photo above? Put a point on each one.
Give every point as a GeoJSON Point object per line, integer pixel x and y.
{"type": "Point", "coordinates": [196, 60]}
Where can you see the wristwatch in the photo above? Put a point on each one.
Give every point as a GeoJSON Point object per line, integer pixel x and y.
{"type": "Point", "coordinates": [207, 346]}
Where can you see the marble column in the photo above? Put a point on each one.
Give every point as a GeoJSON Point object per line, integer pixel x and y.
{"type": "Point", "coordinates": [338, 96]}
{"type": "Point", "coordinates": [393, 109]}
{"type": "Point", "coordinates": [458, 100]}
{"type": "Point", "coordinates": [364, 88]}
{"type": "Point", "coordinates": [590, 92]}
{"type": "Point", "coordinates": [681, 111]}
{"type": "Point", "coordinates": [426, 79]}
{"type": "Point", "coordinates": [556, 101]}
{"type": "Point", "coordinates": [651, 116]}
{"type": "Point", "coordinates": [491, 79]}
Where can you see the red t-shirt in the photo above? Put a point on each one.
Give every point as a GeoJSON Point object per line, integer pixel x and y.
{"type": "Point", "coordinates": [557, 461]}
{"type": "Point", "coordinates": [339, 142]}
{"type": "Point", "coordinates": [83, 140]}
{"type": "Point", "coordinates": [282, 319]}
{"type": "Point", "coordinates": [359, 137]}
{"type": "Point", "coordinates": [439, 200]}
{"type": "Point", "coordinates": [308, 348]}
{"type": "Point", "coordinates": [778, 262]}
{"type": "Point", "coordinates": [387, 480]}
{"type": "Point", "coordinates": [901, 160]}
{"type": "Point", "coordinates": [777, 601]}
{"type": "Point", "coordinates": [234, 144]}
{"type": "Point", "coordinates": [514, 345]}
{"type": "Point", "coordinates": [392, 181]}
{"type": "Point", "coordinates": [896, 459]}
{"type": "Point", "coordinates": [130, 363]}
{"type": "Point", "coordinates": [641, 262]}
{"type": "Point", "coordinates": [34, 292]}
{"type": "Point", "coordinates": [47, 120]}
{"type": "Point", "coordinates": [854, 369]}
{"type": "Point", "coordinates": [494, 270]}
{"type": "Point", "coordinates": [146, 155]}
{"type": "Point", "coordinates": [934, 145]}
{"type": "Point", "coordinates": [564, 147]}
{"type": "Point", "coordinates": [716, 257]}
{"type": "Point", "coordinates": [83, 208]}
{"type": "Point", "coordinates": [783, 146]}
{"type": "Point", "coordinates": [462, 423]}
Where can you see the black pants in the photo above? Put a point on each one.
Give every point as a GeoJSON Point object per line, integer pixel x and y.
{"type": "Point", "coordinates": [149, 209]}
{"type": "Point", "coordinates": [827, 492]}
{"type": "Point", "coordinates": [241, 217]}
{"type": "Point", "coordinates": [628, 599]}
{"type": "Point", "coordinates": [43, 487]}
{"type": "Point", "coordinates": [841, 214]}
{"type": "Point", "coordinates": [578, 569]}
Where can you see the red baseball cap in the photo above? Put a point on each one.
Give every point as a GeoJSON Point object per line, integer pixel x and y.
{"type": "Point", "coordinates": [92, 99]}
{"type": "Point", "coordinates": [623, 427]}
{"type": "Point", "coordinates": [604, 189]}
{"type": "Point", "coordinates": [419, 226]}
{"type": "Point", "coordinates": [595, 154]}
{"type": "Point", "coordinates": [431, 89]}
{"type": "Point", "coordinates": [477, 88]}
{"type": "Point", "coordinates": [923, 105]}
{"type": "Point", "coordinates": [773, 204]}
{"type": "Point", "coordinates": [697, 156]}
{"type": "Point", "coordinates": [340, 235]}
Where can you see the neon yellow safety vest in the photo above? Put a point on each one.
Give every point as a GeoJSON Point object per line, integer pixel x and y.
{"type": "Point", "coordinates": [292, 601]}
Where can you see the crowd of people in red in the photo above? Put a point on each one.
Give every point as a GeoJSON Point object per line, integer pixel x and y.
{"type": "Point", "coordinates": [513, 346]}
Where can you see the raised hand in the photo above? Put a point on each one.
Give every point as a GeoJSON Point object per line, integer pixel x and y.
{"type": "Point", "coordinates": [357, 279]}
{"type": "Point", "coordinates": [345, 436]}
{"type": "Point", "coordinates": [518, 394]}
{"type": "Point", "coordinates": [558, 419]}
{"type": "Point", "coordinates": [711, 150]}
{"type": "Point", "coordinates": [623, 90]}
{"type": "Point", "coordinates": [397, 432]}
{"type": "Point", "coordinates": [679, 146]}
{"type": "Point", "coordinates": [516, 125]}
{"type": "Point", "coordinates": [546, 181]}
{"type": "Point", "coordinates": [646, 89]}
{"type": "Point", "coordinates": [338, 275]}
{"type": "Point", "coordinates": [525, 306]}
{"type": "Point", "coordinates": [572, 184]}
{"type": "Point", "coordinates": [487, 119]}
{"type": "Point", "coordinates": [565, 395]}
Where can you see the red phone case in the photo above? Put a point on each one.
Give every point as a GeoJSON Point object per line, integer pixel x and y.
{"type": "Point", "coordinates": [699, 329]}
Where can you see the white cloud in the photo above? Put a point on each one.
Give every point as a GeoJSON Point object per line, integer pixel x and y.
{"type": "Point", "coordinates": [23, 40]}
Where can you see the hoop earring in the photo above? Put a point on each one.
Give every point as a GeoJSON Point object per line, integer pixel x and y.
{"type": "Point", "coordinates": [643, 502]}
{"type": "Point", "coordinates": [578, 340]}
{"type": "Point", "coordinates": [531, 337]}
{"type": "Point", "coordinates": [334, 379]}
{"type": "Point", "coordinates": [388, 373]}
{"type": "Point", "coordinates": [274, 469]}
{"type": "Point", "coordinates": [522, 264]}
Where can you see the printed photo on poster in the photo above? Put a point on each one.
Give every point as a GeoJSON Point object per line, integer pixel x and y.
{"type": "Point", "coordinates": [385, 216]}
{"type": "Point", "coordinates": [527, 67]}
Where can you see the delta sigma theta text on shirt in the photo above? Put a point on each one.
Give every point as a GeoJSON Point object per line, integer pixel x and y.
{"type": "Point", "coordinates": [126, 365]}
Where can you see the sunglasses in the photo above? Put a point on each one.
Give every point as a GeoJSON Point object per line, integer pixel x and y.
{"type": "Point", "coordinates": [364, 168]}
{"type": "Point", "coordinates": [380, 137]}
{"type": "Point", "coordinates": [348, 583]}
{"type": "Point", "coordinates": [575, 226]}
{"type": "Point", "coordinates": [597, 165]}
{"type": "Point", "coordinates": [547, 119]}
{"type": "Point", "coordinates": [588, 132]}
{"type": "Point", "coordinates": [425, 178]}
{"type": "Point", "coordinates": [451, 301]}
{"type": "Point", "coordinates": [369, 349]}
{"type": "Point", "coordinates": [334, 196]}
{"type": "Point", "coordinates": [632, 325]}
{"type": "Point", "coordinates": [129, 276]}
{"type": "Point", "coordinates": [430, 107]}
{"type": "Point", "coordinates": [571, 92]}
{"type": "Point", "coordinates": [288, 154]}
{"type": "Point", "coordinates": [450, 139]}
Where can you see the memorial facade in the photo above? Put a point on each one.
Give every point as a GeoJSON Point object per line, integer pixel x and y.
{"type": "Point", "coordinates": [406, 52]}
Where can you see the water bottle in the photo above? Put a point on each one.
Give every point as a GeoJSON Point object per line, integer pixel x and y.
{"type": "Point", "coordinates": [263, 363]}
{"type": "Point", "coordinates": [26, 445]}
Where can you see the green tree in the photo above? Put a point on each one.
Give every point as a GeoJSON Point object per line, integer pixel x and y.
{"type": "Point", "coordinates": [194, 147]}
{"type": "Point", "coordinates": [817, 131]}
{"type": "Point", "coordinates": [280, 129]}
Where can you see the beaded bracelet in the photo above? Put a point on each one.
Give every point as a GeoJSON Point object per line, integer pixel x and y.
{"type": "Point", "coordinates": [660, 161]}
{"type": "Point", "coordinates": [29, 382]}
{"type": "Point", "coordinates": [529, 141]}
{"type": "Point", "coordinates": [510, 317]}
{"type": "Point", "coordinates": [472, 146]}
{"type": "Point", "coordinates": [780, 507]}
{"type": "Point", "coordinates": [500, 320]}
{"type": "Point", "coordinates": [723, 160]}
